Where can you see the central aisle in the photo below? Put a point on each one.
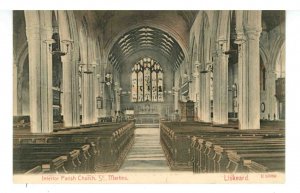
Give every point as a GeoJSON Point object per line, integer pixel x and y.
{"type": "Point", "coordinates": [146, 154]}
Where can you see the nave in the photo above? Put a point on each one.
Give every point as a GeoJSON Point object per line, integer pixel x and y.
{"type": "Point", "coordinates": [86, 82]}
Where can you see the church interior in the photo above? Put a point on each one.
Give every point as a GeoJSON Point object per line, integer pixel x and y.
{"type": "Point", "coordinates": [148, 91]}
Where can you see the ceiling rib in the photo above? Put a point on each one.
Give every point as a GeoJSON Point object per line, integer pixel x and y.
{"type": "Point", "coordinates": [146, 38]}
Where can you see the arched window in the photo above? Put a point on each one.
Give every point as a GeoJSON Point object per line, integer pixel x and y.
{"type": "Point", "coordinates": [147, 81]}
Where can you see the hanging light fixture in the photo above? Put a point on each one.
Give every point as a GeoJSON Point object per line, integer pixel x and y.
{"type": "Point", "coordinates": [56, 46]}
{"type": "Point", "coordinates": [58, 51]}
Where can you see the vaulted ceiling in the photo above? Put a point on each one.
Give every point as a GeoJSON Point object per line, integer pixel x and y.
{"type": "Point", "coordinates": [272, 19]}
{"type": "Point", "coordinates": [111, 22]}
{"type": "Point", "coordinates": [125, 33]}
{"type": "Point", "coordinates": [146, 38]}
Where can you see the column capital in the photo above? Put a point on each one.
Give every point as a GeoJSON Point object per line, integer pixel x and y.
{"type": "Point", "coordinates": [221, 44]}
{"type": "Point", "coordinates": [240, 39]}
{"type": "Point", "coordinates": [253, 33]}
{"type": "Point", "coordinates": [221, 41]}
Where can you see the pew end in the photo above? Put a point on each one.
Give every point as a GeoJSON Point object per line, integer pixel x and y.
{"type": "Point", "coordinates": [252, 166]}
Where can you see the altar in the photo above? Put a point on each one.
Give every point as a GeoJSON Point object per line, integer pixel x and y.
{"type": "Point", "coordinates": [151, 112]}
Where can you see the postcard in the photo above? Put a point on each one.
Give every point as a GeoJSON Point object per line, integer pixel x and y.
{"type": "Point", "coordinates": [149, 96]}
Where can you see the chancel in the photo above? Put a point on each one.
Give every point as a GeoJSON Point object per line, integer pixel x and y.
{"type": "Point", "coordinates": [148, 91]}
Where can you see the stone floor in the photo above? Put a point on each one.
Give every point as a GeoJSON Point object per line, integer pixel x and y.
{"type": "Point", "coordinates": [146, 155]}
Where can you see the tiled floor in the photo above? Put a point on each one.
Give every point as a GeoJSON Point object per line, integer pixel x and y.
{"type": "Point", "coordinates": [146, 155]}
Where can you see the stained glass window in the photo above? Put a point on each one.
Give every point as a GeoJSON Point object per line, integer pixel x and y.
{"type": "Point", "coordinates": [147, 81]}
{"type": "Point", "coordinates": [134, 86]}
{"type": "Point", "coordinates": [154, 86]}
{"type": "Point", "coordinates": [160, 87]}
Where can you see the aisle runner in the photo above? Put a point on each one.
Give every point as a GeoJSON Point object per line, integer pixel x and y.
{"type": "Point", "coordinates": [146, 154]}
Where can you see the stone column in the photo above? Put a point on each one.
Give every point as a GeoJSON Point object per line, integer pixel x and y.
{"type": "Point", "coordinates": [206, 114]}
{"type": "Point", "coordinates": [176, 97]}
{"type": "Point", "coordinates": [230, 89]}
{"type": "Point", "coordinates": [99, 88]}
{"type": "Point", "coordinates": [97, 91]}
{"type": "Point", "coordinates": [176, 88]}
{"type": "Point", "coordinates": [70, 74]}
{"type": "Point", "coordinates": [271, 91]}
{"type": "Point", "coordinates": [15, 89]}
{"type": "Point", "coordinates": [94, 95]}
{"type": "Point", "coordinates": [103, 90]}
{"type": "Point", "coordinates": [220, 85]}
{"type": "Point", "coordinates": [40, 71]}
{"type": "Point", "coordinates": [191, 86]}
{"type": "Point", "coordinates": [196, 88]}
{"type": "Point", "coordinates": [47, 72]}
{"type": "Point", "coordinates": [117, 96]}
{"type": "Point", "coordinates": [248, 88]}
{"type": "Point", "coordinates": [86, 98]}
{"type": "Point", "coordinates": [201, 92]}
{"type": "Point", "coordinates": [19, 84]}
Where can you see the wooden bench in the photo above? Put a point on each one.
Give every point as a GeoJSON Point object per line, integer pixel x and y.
{"type": "Point", "coordinates": [210, 156]}
{"type": "Point", "coordinates": [111, 142]}
{"type": "Point", "coordinates": [203, 155]}
{"type": "Point", "coordinates": [77, 157]}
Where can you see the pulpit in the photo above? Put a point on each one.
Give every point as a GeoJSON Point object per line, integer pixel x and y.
{"type": "Point", "coordinates": [187, 110]}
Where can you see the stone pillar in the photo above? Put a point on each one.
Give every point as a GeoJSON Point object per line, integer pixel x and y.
{"type": "Point", "coordinates": [47, 72]}
{"type": "Point", "coordinates": [117, 96]}
{"type": "Point", "coordinates": [19, 89]}
{"type": "Point", "coordinates": [205, 95]}
{"type": "Point", "coordinates": [196, 88]}
{"type": "Point", "coordinates": [70, 91]}
{"type": "Point", "coordinates": [191, 86]}
{"type": "Point", "coordinates": [97, 91]}
{"type": "Point", "coordinates": [70, 103]}
{"type": "Point", "coordinates": [176, 97]}
{"type": "Point", "coordinates": [94, 95]}
{"type": "Point", "coordinates": [176, 88]}
{"type": "Point", "coordinates": [87, 115]}
{"type": "Point", "coordinates": [271, 91]}
{"type": "Point", "coordinates": [87, 79]}
{"type": "Point", "coordinates": [201, 92]}
{"type": "Point", "coordinates": [248, 88]}
{"type": "Point", "coordinates": [220, 111]}
{"type": "Point", "coordinates": [15, 89]}
{"type": "Point", "coordinates": [86, 99]}
{"type": "Point", "coordinates": [40, 71]}
{"type": "Point", "coordinates": [103, 90]}
{"type": "Point", "coordinates": [232, 80]}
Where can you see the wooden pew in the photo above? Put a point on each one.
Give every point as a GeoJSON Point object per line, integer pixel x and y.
{"type": "Point", "coordinates": [112, 142]}
{"type": "Point", "coordinates": [267, 161]}
{"type": "Point", "coordinates": [74, 157]}
{"type": "Point", "coordinates": [210, 156]}
{"type": "Point", "coordinates": [203, 157]}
